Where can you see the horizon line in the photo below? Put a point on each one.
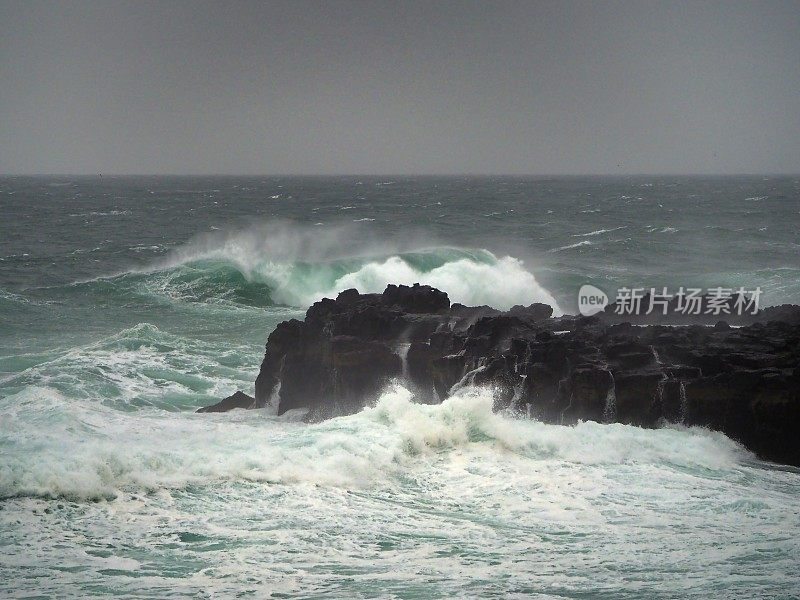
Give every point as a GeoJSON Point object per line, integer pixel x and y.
{"type": "Point", "coordinates": [320, 175]}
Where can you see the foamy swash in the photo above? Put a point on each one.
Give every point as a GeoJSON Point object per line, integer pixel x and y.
{"type": "Point", "coordinates": [79, 454]}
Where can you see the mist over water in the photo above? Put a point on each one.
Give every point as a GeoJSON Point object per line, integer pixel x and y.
{"type": "Point", "coordinates": [126, 303]}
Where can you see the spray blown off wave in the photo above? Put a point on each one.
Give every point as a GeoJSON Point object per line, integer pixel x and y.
{"type": "Point", "coordinates": [292, 266]}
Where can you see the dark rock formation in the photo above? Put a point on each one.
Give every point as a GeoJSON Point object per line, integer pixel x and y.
{"type": "Point", "coordinates": [238, 400]}
{"type": "Point", "coordinates": [742, 381]}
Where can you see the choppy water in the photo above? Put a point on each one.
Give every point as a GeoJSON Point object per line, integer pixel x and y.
{"type": "Point", "coordinates": [126, 303]}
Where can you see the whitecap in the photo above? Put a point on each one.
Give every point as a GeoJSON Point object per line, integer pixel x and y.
{"type": "Point", "coordinates": [599, 231]}
{"type": "Point", "coordinates": [570, 246]}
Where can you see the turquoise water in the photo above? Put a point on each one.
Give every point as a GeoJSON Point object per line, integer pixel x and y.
{"type": "Point", "coordinates": [126, 303]}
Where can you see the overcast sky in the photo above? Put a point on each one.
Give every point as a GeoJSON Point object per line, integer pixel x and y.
{"type": "Point", "coordinates": [399, 87]}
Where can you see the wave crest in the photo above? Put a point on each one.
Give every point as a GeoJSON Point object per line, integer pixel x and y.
{"type": "Point", "coordinates": [289, 266]}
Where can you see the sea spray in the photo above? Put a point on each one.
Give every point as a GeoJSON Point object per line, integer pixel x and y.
{"type": "Point", "coordinates": [469, 277]}
{"type": "Point", "coordinates": [610, 408]}
{"type": "Point", "coordinates": [402, 352]}
{"type": "Point", "coordinates": [517, 395]}
{"type": "Point", "coordinates": [291, 264]}
{"type": "Point", "coordinates": [468, 378]}
{"type": "Point", "coordinates": [684, 403]}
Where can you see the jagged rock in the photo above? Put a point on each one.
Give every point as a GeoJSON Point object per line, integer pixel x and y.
{"type": "Point", "coordinates": [415, 299]}
{"type": "Point", "coordinates": [237, 400]}
{"type": "Point", "coordinates": [744, 381]}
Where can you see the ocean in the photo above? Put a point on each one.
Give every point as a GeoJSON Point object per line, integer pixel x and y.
{"type": "Point", "coordinates": [128, 302]}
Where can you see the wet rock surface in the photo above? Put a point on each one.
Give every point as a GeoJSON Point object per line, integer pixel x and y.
{"type": "Point", "coordinates": [237, 400]}
{"type": "Point", "coordinates": [743, 381]}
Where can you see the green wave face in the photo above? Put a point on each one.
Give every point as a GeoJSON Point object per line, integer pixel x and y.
{"type": "Point", "coordinates": [469, 276]}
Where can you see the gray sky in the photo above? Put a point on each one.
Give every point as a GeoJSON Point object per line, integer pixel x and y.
{"type": "Point", "coordinates": [399, 87]}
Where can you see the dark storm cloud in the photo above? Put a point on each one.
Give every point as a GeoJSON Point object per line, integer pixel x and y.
{"type": "Point", "coordinates": [428, 87]}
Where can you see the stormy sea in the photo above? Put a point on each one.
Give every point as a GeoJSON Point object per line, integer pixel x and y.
{"type": "Point", "coordinates": [128, 302]}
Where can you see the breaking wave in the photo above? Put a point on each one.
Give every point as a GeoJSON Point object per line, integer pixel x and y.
{"type": "Point", "coordinates": [265, 268]}
{"type": "Point", "coordinates": [78, 453]}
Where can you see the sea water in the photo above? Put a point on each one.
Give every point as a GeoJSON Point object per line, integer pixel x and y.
{"type": "Point", "coordinates": [126, 303]}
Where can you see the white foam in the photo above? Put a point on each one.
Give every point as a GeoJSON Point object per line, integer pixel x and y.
{"type": "Point", "coordinates": [64, 447]}
{"type": "Point", "coordinates": [501, 284]}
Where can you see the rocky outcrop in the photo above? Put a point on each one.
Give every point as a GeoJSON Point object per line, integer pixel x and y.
{"type": "Point", "coordinates": [237, 400]}
{"type": "Point", "coordinates": [742, 381]}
